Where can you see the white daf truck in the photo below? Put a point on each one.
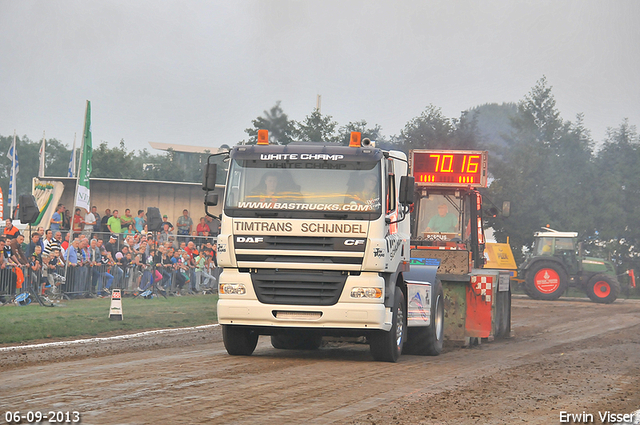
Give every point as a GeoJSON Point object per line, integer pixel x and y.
{"type": "Point", "coordinates": [315, 241]}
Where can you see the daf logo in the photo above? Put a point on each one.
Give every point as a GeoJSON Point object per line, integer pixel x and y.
{"type": "Point", "coordinates": [242, 239]}
{"type": "Point", "coordinates": [354, 242]}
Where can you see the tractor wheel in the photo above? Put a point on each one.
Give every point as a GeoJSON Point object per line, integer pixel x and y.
{"type": "Point", "coordinates": [428, 340]}
{"type": "Point", "coordinates": [603, 289]}
{"type": "Point", "coordinates": [387, 346]}
{"type": "Point", "coordinates": [546, 280]}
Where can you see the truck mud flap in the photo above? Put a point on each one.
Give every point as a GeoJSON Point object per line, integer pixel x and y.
{"type": "Point", "coordinates": [419, 280]}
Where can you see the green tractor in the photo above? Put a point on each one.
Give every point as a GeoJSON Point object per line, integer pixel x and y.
{"type": "Point", "coordinates": [557, 262]}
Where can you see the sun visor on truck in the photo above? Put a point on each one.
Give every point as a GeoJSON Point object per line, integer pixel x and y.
{"type": "Point", "coordinates": [306, 152]}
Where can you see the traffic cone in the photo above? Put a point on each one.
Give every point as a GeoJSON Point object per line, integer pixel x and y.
{"type": "Point", "coordinates": [115, 312]}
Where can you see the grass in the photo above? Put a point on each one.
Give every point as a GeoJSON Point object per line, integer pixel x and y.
{"type": "Point", "coordinates": [89, 317]}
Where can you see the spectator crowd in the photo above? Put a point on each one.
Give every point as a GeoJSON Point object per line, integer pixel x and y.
{"type": "Point", "coordinates": [90, 254]}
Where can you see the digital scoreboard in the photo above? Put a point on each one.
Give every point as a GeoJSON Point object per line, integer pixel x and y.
{"type": "Point", "coordinates": [432, 167]}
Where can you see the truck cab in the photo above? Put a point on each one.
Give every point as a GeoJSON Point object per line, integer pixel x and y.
{"type": "Point", "coordinates": [314, 240]}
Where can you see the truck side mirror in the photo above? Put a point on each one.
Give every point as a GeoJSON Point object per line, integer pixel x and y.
{"type": "Point", "coordinates": [211, 199]}
{"type": "Point", "coordinates": [406, 195]}
{"type": "Point", "coordinates": [209, 178]}
{"type": "Point", "coordinates": [506, 209]}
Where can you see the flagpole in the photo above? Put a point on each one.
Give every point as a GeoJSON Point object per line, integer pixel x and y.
{"type": "Point", "coordinates": [15, 180]}
{"type": "Point", "coordinates": [42, 158]}
{"type": "Point", "coordinates": [73, 153]}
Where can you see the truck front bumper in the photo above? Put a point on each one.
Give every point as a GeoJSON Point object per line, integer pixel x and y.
{"type": "Point", "coordinates": [338, 316]}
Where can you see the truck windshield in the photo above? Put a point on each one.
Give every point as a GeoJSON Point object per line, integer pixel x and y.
{"type": "Point", "coordinates": [348, 189]}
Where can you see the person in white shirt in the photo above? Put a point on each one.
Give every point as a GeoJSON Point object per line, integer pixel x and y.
{"type": "Point", "coordinates": [89, 224]}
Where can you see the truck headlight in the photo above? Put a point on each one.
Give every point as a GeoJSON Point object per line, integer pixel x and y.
{"type": "Point", "coordinates": [233, 288]}
{"type": "Point", "coordinates": [366, 293]}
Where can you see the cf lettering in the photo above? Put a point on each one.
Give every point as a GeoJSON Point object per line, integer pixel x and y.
{"type": "Point", "coordinates": [354, 242]}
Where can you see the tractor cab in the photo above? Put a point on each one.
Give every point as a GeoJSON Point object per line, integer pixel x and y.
{"type": "Point", "coordinates": [561, 245]}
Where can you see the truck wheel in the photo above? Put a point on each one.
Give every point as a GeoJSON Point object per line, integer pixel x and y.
{"type": "Point", "coordinates": [296, 341]}
{"type": "Point", "coordinates": [603, 289]}
{"type": "Point", "coordinates": [546, 280]}
{"type": "Point", "coordinates": [238, 340]}
{"type": "Point", "coordinates": [387, 346]}
{"type": "Point", "coordinates": [428, 340]}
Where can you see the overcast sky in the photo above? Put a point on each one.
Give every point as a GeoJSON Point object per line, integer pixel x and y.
{"type": "Point", "coordinates": [198, 72]}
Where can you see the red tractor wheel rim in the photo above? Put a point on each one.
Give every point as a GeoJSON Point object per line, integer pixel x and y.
{"type": "Point", "coordinates": [602, 289]}
{"type": "Point", "coordinates": [547, 281]}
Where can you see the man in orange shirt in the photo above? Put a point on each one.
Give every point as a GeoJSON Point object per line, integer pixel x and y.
{"type": "Point", "coordinates": [10, 231]}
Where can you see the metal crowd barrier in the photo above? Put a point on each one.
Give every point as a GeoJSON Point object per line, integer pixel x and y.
{"type": "Point", "coordinates": [86, 281]}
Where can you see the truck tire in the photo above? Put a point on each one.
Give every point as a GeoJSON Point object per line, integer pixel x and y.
{"type": "Point", "coordinates": [238, 340]}
{"type": "Point", "coordinates": [296, 341]}
{"type": "Point", "coordinates": [603, 288]}
{"type": "Point", "coordinates": [387, 346]}
{"type": "Point", "coordinates": [428, 340]}
{"type": "Point", "coordinates": [546, 280]}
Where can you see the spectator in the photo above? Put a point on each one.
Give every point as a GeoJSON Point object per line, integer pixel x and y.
{"type": "Point", "coordinates": [94, 211]}
{"type": "Point", "coordinates": [201, 270]}
{"type": "Point", "coordinates": [176, 261]}
{"type": "Point", "coordinates": [57, 241]}
{"type": "Point", "coordinates": [190, 249]}
{"type": "Point", "coordinates": [103, 221]}
{"type": "Point", "coordinates": [114, 225]}
{"type": "Point", "coordinates": [101, 247]}
{"type": "Point", "coordinates": [56, 218]}
{"type": "Point", "coordinates": [165, 220]}
{"type": "Point", "coordinates": [35, 264]}
{"type": "Point", "coordinates": [111, 246]}
{"type": "Point", "coordinates": [66, 220]}
{"type": "Point", "coordinates": [71, 255]}
{"type": "Point", "coordinates": [47, 241]}
{"type": "Point", "coordinates": [214, 226]}
{"type": "Point", "coordinates": [17, 253]}
{"type": "Point", "coordinates": [65, 244]}
{"type": "Point", "coordinates": [78, 223]}
{"type": "Point", "coordinates": [112, 271]}
{"type": "Point", "coordinates": [128, 230]}
{"type": "Point", "coordinates": [90, 223]}
{"type": "Point", "coordinates": [127, 219]}
{"type": "Point", "coordinates": [35, 241]}
{"type": "Point", "coordinates": [139, 221]}
{"type": "Point", "coordinates": [10, 231]}
{"type": "Point", "coordinates": [184, 224]}
{"type": "Point", "coordinates": [166, 235]}
{"type": "Point", "coordinates": [4, 257]}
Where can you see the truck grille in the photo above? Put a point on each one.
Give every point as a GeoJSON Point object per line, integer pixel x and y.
{"type": "Point", "coordinates": [298, 287]}
{"type": "Point", "coordinates": [298, 259]}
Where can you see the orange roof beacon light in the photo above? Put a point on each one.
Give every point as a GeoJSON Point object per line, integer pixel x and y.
{"type": "Point", "coordinates": [355, 139]}
{"type": "Point", "coordinates": [263, 137]}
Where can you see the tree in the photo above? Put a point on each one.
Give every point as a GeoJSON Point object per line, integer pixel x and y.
{"type": "Point", "coordinates": [277, 122]}
{"type": "Point", "coordinates": [116, 163]}
{"type": "Point", "coordinates": [373, 134]}
{"type": "Point", "coordinates": [617, 191]}
{"type": "Point", "coordinates": [545, 171]}
{"type": "Point", "coordinates": [317, 128]}
{"type": "Point", "coordinates": [429, 130]}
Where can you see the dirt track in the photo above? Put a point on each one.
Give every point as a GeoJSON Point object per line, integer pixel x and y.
{"type": "Point", "coordinates": [565, 356]}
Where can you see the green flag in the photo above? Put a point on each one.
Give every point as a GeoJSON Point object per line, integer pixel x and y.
{"type": "Point", "coordinates": [82, 194]}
